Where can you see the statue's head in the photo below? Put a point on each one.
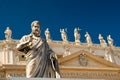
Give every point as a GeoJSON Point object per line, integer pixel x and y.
{"type": "Point", "coordinates": [35, 26]}
{"type": "Point", "coordinates": [47, 29]}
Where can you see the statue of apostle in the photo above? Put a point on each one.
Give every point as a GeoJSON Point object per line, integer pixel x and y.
{"type": "Point", "coordinates": [88, 39]}
{"type": "Point", "coordinates": [47, 34]}
{"type": "Point", "coordinates": [77, 35]}
{"type": "Point", "coordinates": [41, 60]}
{"type": "Point", "coordinates": [63, 35]}
{"type": "Point", "coordinates": [110, 40]}
{"type": "Point", "coordinates": [8, 33]}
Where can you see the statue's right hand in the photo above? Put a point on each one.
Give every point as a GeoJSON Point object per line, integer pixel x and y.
{"type": "Point", "coordinates": [30, 44]}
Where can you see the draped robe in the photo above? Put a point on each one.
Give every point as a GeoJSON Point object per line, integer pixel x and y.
{"type": "Point", "coordinates": [41, 60]}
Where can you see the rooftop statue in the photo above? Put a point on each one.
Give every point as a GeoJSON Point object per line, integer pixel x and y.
{"type": "Point", "coordinates": [102, 41]}
{"type": "Point", "coordinates": [41, 60]}
{"type": "Point", "coordinates": [77, 35]}
{"type": "Point", "coordinates": [8, 33]}
{"type": "Point", "coordinates": [110, 40]}
{"type": "Point", "coordinates": [88, 39]}
{"type": "Point", "coordinates": [63, 35]}
{"type": "Point", "coordinates": [47, 34]}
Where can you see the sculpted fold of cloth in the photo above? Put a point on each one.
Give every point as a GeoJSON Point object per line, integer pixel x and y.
{"type": "Point", "coordinates": [41, 60]}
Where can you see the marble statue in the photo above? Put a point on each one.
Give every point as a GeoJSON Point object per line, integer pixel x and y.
{"type": "Point", "coordinates": [63, 35]}
{"type": "Point", "coordinates": [8, 33]}
{"type": "Point", "coordinates": [110, 40]}
{"type": "Point", "coordinates": [41, 60]}
{"type": "Point", "coordinates": [102, 41]}
{"type": "Point", "coordinates": [88, 39]}
{"type": "Point", "coordinates": [77, 35]}
{"type": "Point", "coordinates": [47, 34]}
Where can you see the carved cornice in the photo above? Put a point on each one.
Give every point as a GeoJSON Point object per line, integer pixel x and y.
{"type": "Point", "coordinates": [82, 45]}
{"type": "Point", "coordinates": [69, 68]}
{"type": "Point", "coordinates": [12, 67]}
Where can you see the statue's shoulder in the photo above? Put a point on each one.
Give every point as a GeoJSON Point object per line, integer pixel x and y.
{"type": "Point", "coordinates": [26, 37]}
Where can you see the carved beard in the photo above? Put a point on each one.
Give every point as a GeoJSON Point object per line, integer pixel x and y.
{"type": "Point", "coordinates": [36, 33]}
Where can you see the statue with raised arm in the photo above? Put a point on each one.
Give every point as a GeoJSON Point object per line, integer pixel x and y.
{"type": "Point", "coordinates": [77, 35]}
{"type": "Point", "coordinates": [8, 33]}
{"type": "Point", "coordinates": [110, 40]}
{"type": "Point", "coordinates": [63, 35]}
{"type": "Point", "coordinates": [88, 39]}
{"type": "Point", "coordinates": [102, 41]}
{"type": "Point", "coordinates": [47, 34]}
{"type": "Point", "coordinates": [41, 60]}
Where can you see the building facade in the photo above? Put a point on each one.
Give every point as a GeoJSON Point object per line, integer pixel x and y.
{"type": "Point", "coordinates": [76, 59]}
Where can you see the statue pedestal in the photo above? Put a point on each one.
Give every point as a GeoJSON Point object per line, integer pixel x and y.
{"type": "Point", "coordinates": [50, 79]}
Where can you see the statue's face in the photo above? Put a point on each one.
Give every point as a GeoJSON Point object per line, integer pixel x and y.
{"type": "Point", "coordinates": [36, 29]}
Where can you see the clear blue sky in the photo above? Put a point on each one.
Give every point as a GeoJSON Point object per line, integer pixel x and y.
{"type": "Point", "coordinates": [94, 16]}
